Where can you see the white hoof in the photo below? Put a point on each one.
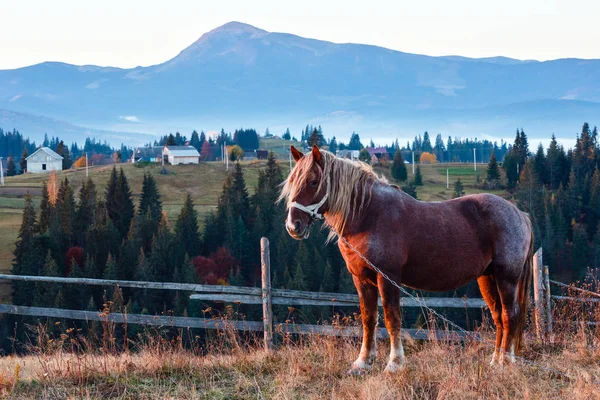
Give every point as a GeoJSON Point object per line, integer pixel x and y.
{"type": "Point", "coordinates": [393, 367]}
{"type": "Point", "coordinates": [359, 367]}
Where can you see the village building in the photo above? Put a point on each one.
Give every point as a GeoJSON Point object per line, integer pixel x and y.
{"type": "Point", "coordinates": [351, 154]}
{"type": "Point", "coordinates": [176, 155]}
{"type": "Point", "coordinates": [44, 160]}
{"type": "Point", "coordinates": [147, 154]}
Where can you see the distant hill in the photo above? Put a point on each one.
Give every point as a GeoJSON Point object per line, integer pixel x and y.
{"type": "Point", "coordinates": [239, 75]}
{"type": "Point", "coordinates": [36, 126]}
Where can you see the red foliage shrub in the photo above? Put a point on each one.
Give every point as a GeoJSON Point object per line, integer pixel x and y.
{"type": "Point", "coordinates": [74, 253]}
{"type": "Point", "coordinates": [215, 268]}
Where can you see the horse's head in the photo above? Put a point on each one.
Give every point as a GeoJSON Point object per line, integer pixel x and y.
{"type": "Point", "coordinates": [306, 190]}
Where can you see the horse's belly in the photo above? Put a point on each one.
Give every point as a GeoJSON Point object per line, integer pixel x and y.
{"type": "Point", "coordinates": [443, 277]}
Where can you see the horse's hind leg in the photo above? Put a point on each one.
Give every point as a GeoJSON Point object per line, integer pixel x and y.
{"type": "Point", "coordinates": [367, 293]}
{"type": "Point", "coordinates": [507, 288]}
{"type": "Point", "coordinates": [390, 298]}
{"type": "Point", "coordinates": [489, 291]}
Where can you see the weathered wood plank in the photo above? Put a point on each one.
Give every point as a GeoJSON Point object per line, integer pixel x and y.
{"type": "Point", "coordinates": [265, 262]}
{"type": "Point", "coordinates": [439, 302]}
{"type": "Point", "coordinates": [190, 287]}
{"type": "Point", "coordinates": [139, 319]}
{"type": "Point", "coordinates": [538, 294]}
{"type": "Point", "coordinates": [249, 295]}
{"type": "Point", "coordinates": [205, 323]}
{"type": "Point", "coordinates": [577, 299]}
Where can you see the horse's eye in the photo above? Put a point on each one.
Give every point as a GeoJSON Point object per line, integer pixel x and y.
{"type": "Point", "coordinates": [314, 183]}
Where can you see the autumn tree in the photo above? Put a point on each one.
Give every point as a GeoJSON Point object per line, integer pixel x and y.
{"type": "Point", "coordinates": [428, 158]}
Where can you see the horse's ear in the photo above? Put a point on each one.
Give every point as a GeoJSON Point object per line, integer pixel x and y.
{"type": "Point", "coordinates": [317, 156]}
{"type": "Point", "coordinates": [296, 153]}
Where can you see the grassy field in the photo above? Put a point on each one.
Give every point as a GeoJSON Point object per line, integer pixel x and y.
{"type": "Point", "coordinates": [306, 368]}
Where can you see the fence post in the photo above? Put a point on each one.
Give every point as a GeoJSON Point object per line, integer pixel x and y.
{"type": "Point", "coordinates": [538, 293]}
{"type": "Point", "coordinates": [266, 293]}
{"type": "Point", "coordinates": [548, 301]}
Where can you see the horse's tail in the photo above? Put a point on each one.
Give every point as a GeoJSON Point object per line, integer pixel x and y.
{"type": "Point", "coordinates": [523, 289]}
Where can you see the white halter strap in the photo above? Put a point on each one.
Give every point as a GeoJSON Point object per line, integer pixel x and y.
{"type": "Point", "coordinates": [313, 209]}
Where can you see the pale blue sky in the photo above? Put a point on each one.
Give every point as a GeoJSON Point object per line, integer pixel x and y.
{"type": "Point", "coordinates": [127, 33]}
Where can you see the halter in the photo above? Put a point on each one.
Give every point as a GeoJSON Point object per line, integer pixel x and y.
{"type": "Point", "coordinates": [313, 209]}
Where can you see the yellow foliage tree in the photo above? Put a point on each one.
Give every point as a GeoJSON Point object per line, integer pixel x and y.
{"type": "Point", "coordinates": [428, 158]}
{"type": "Point", "coordinates": [80, 163]}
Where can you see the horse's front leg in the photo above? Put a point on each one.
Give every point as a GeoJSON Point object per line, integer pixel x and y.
{"type": "Point", "coordinates": [390, 298]}
{"type": "Point", "coordinates": [367, 293]}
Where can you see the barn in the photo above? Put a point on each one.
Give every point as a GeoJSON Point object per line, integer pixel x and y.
{"type": "Point", "coordinates": [44, 160]}
{"type": "Point", "coordinates": [175, 155]}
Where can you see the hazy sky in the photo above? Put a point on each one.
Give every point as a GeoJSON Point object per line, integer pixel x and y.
{"type": "Point", "coordinates": [127, 33]}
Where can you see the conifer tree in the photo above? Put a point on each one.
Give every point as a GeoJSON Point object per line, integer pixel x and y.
{"type": "Point", "coordinates": [540, 166]}
{"type": "Point", "coordinates": [23, 161]}
{"type": "Point", "coordinates": [119, 203]}
{"type": "Point", "coordinates": [458, 189]}
{"type": "Point", "coordinates": [11, 167]}
{"type": "Point", "coordinates": [418, 179]}
{"type": "Point", "coordinates": [398, 168]}
{"type": "Point", "coordinates": [593, 215]}
{"type": "Point", "coordinates": [26, 260]}
{"type": "Point", "coordinates": [187, 233]}
{"type": "Point", "coordinates": [45, 210]}
{"type": "Point", "coordinates": [86, 210]}
{"type": "Point", "coordinates": [493, 171]}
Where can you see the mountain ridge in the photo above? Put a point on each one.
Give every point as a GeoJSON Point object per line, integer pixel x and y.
{"type": "Point", "coordinates": [239, 74]}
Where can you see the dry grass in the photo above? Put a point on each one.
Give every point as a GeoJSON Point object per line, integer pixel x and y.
{"type": "Point", "coordinates": [230, 366]}
{"type": "Point", "coordinates": [309, 370]}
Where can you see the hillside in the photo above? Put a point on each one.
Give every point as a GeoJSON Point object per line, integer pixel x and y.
{"type": "Point", "coordinates": [204, 182]}
{"type": "Point", "coordinates": [239, 75]}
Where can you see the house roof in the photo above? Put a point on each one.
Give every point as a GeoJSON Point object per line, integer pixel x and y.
{"type": "Point", "coordinates": [150, 152]}
{"type": "Point", "coordinates": [48, 151]}
{"type": "Point", "coordinates": [376, 150]}
{"type": "Point", "coordinates": [182, 151]}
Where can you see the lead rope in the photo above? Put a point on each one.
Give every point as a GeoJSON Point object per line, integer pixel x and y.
{"type": "Point", "coordinates": [422, 304]}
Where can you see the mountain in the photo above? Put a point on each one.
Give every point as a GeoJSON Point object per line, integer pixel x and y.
{"type": "Point", "coordinates": [238, 75]}
{"type": "Point", "coordinates": [36, 126]}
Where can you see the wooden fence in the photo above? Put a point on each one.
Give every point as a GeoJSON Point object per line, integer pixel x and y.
{"type": "Point", "coordinates": [267, 296]}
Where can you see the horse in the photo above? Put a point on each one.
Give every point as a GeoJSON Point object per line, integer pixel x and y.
{"type": "Point", "coordinates": [432, 246]}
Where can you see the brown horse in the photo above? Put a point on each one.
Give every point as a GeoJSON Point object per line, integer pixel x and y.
{"type": "Point", "coordinates": [436, 246]}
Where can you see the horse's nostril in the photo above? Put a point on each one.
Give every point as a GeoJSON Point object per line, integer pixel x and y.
{"type": "Point", "coordinates": [297, 225]}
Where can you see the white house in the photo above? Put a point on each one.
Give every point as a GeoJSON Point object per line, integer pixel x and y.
{"type": "Point", "coordinates": [44, 160]}
{"type": "Point", "coordinates": [175, 155]}
{"type": "Point", "coordinates": [147, 154]}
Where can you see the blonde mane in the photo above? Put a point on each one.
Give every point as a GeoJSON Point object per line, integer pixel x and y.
{"type": "Point", "coordinates": [349, 192]}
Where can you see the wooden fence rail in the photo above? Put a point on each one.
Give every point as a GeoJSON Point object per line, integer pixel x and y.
{"type": "Point", "coordinates": [268, 296]}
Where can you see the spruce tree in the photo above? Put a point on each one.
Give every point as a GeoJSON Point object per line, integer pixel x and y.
{"type": "Point", "coordinates": [119, 203]}
{"type": "Point", "coordinates": [23, 161]}
{"type": "Point", "coordinates": [458, 189]}
{"type": "Point", "coordinates": [86, 210]}
{"type": "Point", "coordinates": [398, 168]}
{"type": "Point", "coordinates": [593, 215]}
{"type": "Point", "coordinates": [11, 167]}
{"type": "Point", "coordinates": [540, 165]}
{"type": "Point", "coordinates": [149, 213]}
{"type": "Point", "coordinates": [45, 210]}
{"type": "Point", "coordinates": [493, 171]}
{"type": "Point", "coordinates": [418, 179]}
{"type": "Point", "coordinates": [187, 233]}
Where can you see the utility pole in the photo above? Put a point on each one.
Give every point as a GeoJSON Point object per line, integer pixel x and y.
{"type": "Point", "coordinates": [447, 179]}
{"type": "Point", "coordinates": [1, 172]}
{"type": "Point", "coordinates": [475, 159]}
{"type": "Point", "coordinates": [226, 158]}
{"type": "Point", "coordinates": [413, 162]}
{"type": "Point", "coordinates": [290, 154]}
{"type": "Point", "coordinates": [86, 166]}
